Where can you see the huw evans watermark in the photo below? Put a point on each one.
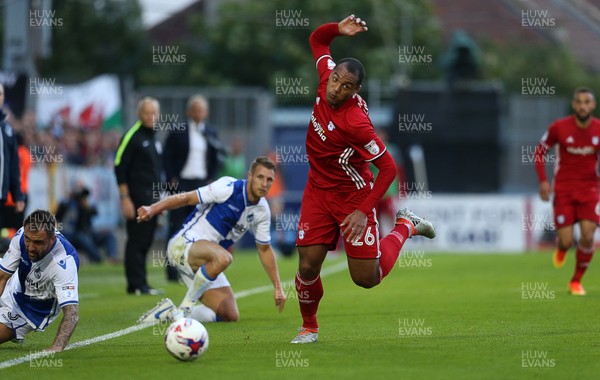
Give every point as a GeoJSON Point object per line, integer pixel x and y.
{"type": "Point", "coordinates": [536, 359]}
{"type": "Point", "coordinates": [537, 19]}
{"type": "Point", "coordinates": [44, 18]}
{"type": "Point", "coordinates": [167, 55]}
{"type": "Point", "coordinates": [414, 55]}
{"type": "Point", "coordinates": [290, 359]}
{"type": "Point", "coordinates": [536, 291]}
{"type": "Point", "coordinates": [290, 19]}
{"type": "Point", "coordinates": [413, 327]}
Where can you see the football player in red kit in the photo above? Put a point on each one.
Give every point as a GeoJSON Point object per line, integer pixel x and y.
{"type": "Point", "coordinates": [576, 188]}
{"type": "Point", "coordinates": [340, 195]}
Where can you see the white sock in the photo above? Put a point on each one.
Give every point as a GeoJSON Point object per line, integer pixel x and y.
{"type": "Point", "coordinates": [201, 282]}
{"type": "Point", "coordinates": [203, 313]}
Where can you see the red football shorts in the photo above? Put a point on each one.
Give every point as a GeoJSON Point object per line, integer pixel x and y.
{"type": "Point", "coordinates": [323, 211]}
{"type": "Point", "coordinates": [574, 206]}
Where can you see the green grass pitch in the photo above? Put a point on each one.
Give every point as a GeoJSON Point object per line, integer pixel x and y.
{"type": "Point", "coordinates": [444, 316]}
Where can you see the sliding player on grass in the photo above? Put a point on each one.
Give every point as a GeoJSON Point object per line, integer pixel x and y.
{"type": "Point", "coordinates": [38, 279]}
{"type": "Point", "coordinates": [225, 210]}
{"type": "Point", "coordinates": [340, 194]}
{"type": "Point", "coordinates": [576, 189]}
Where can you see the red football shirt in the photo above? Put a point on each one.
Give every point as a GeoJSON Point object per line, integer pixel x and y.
{"type": "Point", "coordinates": [576, 165]}
{"type": "Point", "coordinates": [340, 143]}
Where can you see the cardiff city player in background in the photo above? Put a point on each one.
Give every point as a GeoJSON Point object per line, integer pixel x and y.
{"type": "Point", "coordinates": [225, 210]}
{"type": "Point", "coordinates": [340, 194]}
{"type": "Point", "coordinates": [38, 278]}
{"type": "Point", "coordinates": [576, 188]}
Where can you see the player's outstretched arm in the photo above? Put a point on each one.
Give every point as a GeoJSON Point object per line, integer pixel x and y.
{"type": "Point", "coordinates": [351, 26]}
{"type": "Point", "coordinates": [267, 258]}
{"type": "Point", "coordinates": [66, 328]}
{"type": "Point", "coordinates": [321, 38]}
{"type": "Point", "coordinates": [145, 213]}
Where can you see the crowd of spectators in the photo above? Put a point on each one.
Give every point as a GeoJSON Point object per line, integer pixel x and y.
{"type": "Point", "coordinates": [67, 144]}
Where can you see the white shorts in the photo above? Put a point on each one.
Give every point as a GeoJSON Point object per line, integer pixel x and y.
{"type": "Point", "coordinates": [177, 252]}
{"type": "Point", "coordinates": [15, 321]}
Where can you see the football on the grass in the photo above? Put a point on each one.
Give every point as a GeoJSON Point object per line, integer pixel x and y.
{"type": "Point", "coordinates": [186, 339]}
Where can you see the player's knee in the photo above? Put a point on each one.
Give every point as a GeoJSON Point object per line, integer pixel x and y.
{"type": "Point", "coordinates": [366, 282]}
{"type": "Point", "coordinates": [308, 271]}
{"type": "Point", "coordinates": [228, 311]}
{"type": "Point", "coordinates": [223, 260]}
{"type": "Point", "coordinates": [565, 243]}
{"type": "Point", "coordinates": [229, 316]}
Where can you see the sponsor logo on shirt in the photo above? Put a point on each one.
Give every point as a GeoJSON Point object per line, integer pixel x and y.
{"type": "Point", "coordinates": [68, 287]}
{"type": "Point", "coordinates": [595, 140]}
{"type": "Point", "coordinates": [240, 228]}
{"type": "Point", "coordinates": [372, 147]}
{"type": "Point", "coordinates": [570, 140]}
{"type": "Point", "coordinates": [330, 126]}
{"type": "Point", "coordinates": [582, 151]}
{"type": "Point", "coordinates": [317, 127]}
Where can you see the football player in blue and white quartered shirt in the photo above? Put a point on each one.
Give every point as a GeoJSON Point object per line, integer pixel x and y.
{"type": "Point", "coordinates": [225, 210]}
{"type": "Point", "coordinates": [38, 278]}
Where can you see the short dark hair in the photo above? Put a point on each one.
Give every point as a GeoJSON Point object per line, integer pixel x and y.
{"type": "Point", "coordinates": [583, 90]}
{"type": "Point", "coordinates": [354, 66]}
{"type": "Point", "coordinates": [41, 220]}
{"type": "Point", "coordinates": [262, 161]}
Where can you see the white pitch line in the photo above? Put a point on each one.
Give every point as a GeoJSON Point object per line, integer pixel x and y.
{"type": "Point", "coordinates": [244, 293]}
{"type": "Point", "coordinates": [83, 343]}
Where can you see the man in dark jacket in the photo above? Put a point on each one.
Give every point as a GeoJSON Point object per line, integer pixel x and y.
{"type": "Point", "coordinates": [192, 159]}
{"type": "Point", "coordinates": [10, 174]}
{"type": "Point", "coordinates": [138, 169]}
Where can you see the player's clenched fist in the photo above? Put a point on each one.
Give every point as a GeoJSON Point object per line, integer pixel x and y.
{"type": "Point", "coordinates": [144, 213]}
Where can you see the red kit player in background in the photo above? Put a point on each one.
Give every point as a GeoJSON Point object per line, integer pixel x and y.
{"type": "Point", "coordinates": [340, 194]}
{"type": "Point", "coordinates": [576, 188]}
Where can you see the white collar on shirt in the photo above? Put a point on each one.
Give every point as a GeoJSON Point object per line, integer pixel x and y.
{"type": "Point", "coordinates": [200, 127]}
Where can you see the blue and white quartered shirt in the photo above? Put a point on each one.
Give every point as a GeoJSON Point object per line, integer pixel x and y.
{"type": "Point", "coordinates": [37, 290]}
{"type": "Point", "coordinates": [224, 214]}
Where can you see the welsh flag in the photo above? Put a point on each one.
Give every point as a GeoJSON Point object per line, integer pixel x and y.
{"type": "Point", "coordinates": [92, 104]}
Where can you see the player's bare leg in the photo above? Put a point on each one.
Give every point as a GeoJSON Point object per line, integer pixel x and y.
{"type": "Point", "coordinates": [407, 225]}
{"type": "Point", "coordinates": [207, 260]}
{"type": "Point", "coordinates": [6, 333]}
{"type": "Point", "coordinates": [309, 289]}
{"type": "Point", "coordinates": [364, 272]}
{"type": "Point", "coordinates": [564, 241]}
{"type": "Point", "coordinates": [585, 251]}
{"type": "Point", "coordinates": [217, 305]}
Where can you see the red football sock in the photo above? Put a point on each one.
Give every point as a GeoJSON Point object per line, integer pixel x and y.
{"type": "Point", "coordinates": [390, 247]}
{"type": "Point", "coordinates": [584, 256]}
{"type": "Point", "coordinates": [309, 294]}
